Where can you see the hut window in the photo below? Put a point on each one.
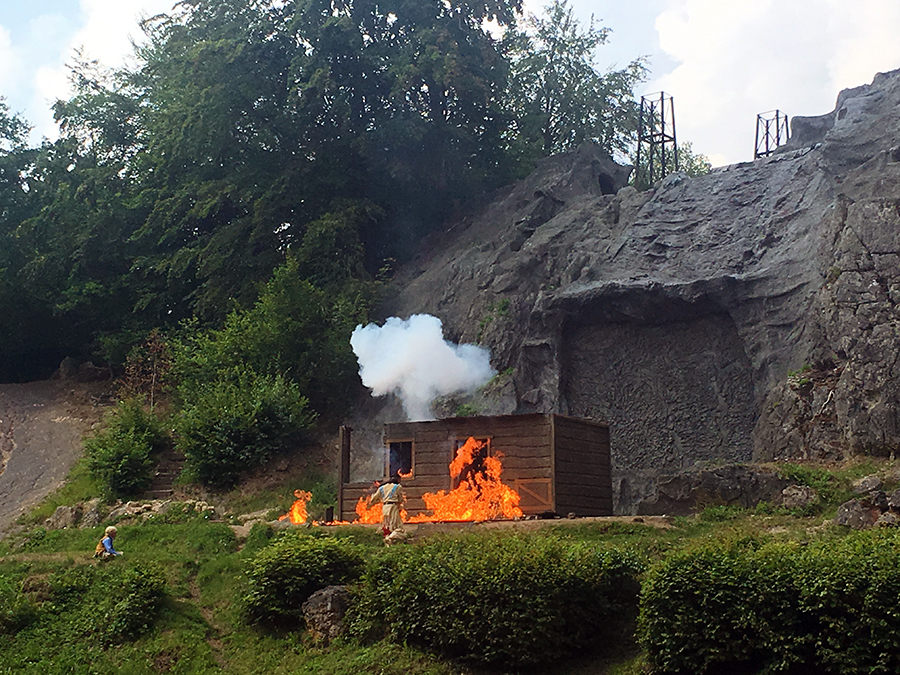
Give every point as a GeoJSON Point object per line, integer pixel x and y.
{"type": "Point", "coordinates": [400, 458]}
{"type": "Point", "coordinates": [477, 465]}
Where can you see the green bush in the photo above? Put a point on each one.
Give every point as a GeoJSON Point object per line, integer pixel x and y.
{"type": "Point", "coordinates": [827, 485]}
{"type": "Point", "coordinates": [498, 600]}
{"type": "Point", "coordinates": [16, 610]}
{"type": "Point", "coordinates": [110, 603]}
{"type": "Point", "coordinates": [238, 422]}
{"type": "Point", "coordinates": [283, 575]}
{"type": "Point", "coordinates": [121, 456]}
{"type": "Point", "coordinates": [294, 330]}
{"type": "Point", "coordinates": [828, 607]}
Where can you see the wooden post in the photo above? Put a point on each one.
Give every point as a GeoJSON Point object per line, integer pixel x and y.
{"type": "Point", "coordinates": [343, 469]}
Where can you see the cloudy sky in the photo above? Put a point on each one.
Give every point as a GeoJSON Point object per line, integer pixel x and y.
{"type": "Point", "coordinates": [722, 61]}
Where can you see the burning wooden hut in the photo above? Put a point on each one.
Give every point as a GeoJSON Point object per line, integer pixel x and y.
{"type": "Point", "coordinates": [553, 463]}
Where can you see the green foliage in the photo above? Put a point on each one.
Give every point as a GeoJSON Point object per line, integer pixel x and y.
{"type": "Point", "coordinates": [237, 422]}
{"type": "Point", "coordinates": [110, 603]}
{"type": "Point", "coordinates": [242, 133]}
{"type": "Point", "coordinates": [17, 611]}
{"type": "Point", "coordinates": [534, 599]}
{"type": "Point", "coordinates": [827, 607]}
{"type": "Point", "coordinates": [283, 575]}
{"type": "Point", "coordinates": [720, 513]}
{"type": "Point", "coordinates": [830, 488]}
{"type": "Point", "coordinates": [558, 97]}
{"type": "Point", "coordinates": [466, 410]}
{"type": "Point", "coordinates": [294, 330]}
{"type": "Point", "coordinates": [121, 456]}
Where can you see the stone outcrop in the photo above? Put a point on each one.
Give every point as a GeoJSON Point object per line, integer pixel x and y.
{"type": "Point", "coordinates": [875, 509]}
{"type": "Point", "coordinates": [749, 314]}
{"type": "Point", "coordinates": [324, 613]}
{"type": "Point", "coordinates": [686, 492]}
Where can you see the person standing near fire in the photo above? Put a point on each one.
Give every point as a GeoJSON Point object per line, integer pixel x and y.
{"type": "Point", "coordinates": [391, 496]}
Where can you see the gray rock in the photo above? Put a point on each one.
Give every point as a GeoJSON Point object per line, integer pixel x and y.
{"type": "Point", "coordinates": [888, 519]}
{"type": "Point", "coordinates": [63, 517]}
{"type": "Point", "coordinates": [733, 485]}
{"type": "Point", "coordinates": [876, 499]}
{"type": "Point", "coordinates": [798, 496]}
{"type": "Point", "coordinates": [867, 484]}
{"type": "Point", "coordinates": [747, 315]}
{"type": "Point", "coordinates": [856, 515]}
{"type": "Point", "coordinates": [894, 500]}
{"type": "Point", "coordinates": [68, 368]}
{"type": "Point", "coordinates": [92, 515]}
{"type": "Point", "coordinates": [324, 613]}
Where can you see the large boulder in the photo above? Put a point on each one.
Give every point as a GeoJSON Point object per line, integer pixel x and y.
{"type": "Point", "coordinates": [64, 517]}
{"type": "Point", "coordinates": [324, 613]}
{"type": "Point", "coordinates": [685, 493]}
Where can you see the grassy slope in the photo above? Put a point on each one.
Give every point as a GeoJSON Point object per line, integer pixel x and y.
{"type": "Point", "coordinates": [200, 630]}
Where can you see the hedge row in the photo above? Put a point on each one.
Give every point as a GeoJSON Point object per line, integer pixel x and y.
{"type": "Point", "coordinates": [498, 600]}
{"type": "Point", "coordinates": [827, 607]}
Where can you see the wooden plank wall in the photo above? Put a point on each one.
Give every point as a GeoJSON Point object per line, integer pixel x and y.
{"type": "Point", "coordinates": [573, 477]}
{"type": "Point", "coordinates": [582, 467]}
{"type": "Point", "coordinates": [522, 441]}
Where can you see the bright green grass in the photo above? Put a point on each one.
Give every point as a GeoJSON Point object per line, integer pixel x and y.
{"type": "Point", "coordinates": [200, 628]}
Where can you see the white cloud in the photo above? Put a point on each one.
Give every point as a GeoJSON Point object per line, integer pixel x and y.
{"type": "Point", "coordinates": [105, 32]}
{"type": "Point", "coordinates": [739, 58]}
{"type": "Point", "coordinates": [110, 26]}
{"type": "Point", "coordinates": [9, 61]}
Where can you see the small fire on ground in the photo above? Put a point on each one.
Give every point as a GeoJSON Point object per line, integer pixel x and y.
{"type": "Point", "coordinates": [479, 494]}
{"type": "Point", "coordinates": [297, 515]}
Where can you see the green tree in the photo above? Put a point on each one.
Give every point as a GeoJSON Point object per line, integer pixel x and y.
{"type": "Point", "coordinates": [28, 329]}
{"type": "Point", "coordinates": [557, 96]}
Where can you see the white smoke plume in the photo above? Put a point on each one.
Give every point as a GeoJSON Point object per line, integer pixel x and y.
{"type": "Point", "coordinates": [412, 359]}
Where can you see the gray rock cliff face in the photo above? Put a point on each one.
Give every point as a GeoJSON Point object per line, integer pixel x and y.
{"type": "Point", "coordinates": [749, 314]}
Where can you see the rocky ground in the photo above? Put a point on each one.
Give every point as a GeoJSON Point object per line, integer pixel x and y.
{"type": "Point", "coordinates": [41, 425]}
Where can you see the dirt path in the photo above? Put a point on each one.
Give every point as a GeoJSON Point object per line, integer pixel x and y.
{"type": "Point", "coordinates": [41, 425]}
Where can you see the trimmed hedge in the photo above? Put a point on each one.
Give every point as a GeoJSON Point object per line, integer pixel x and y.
{"type": "Point", "coordinates": [498, 600]}
{"type": "Point", "coordinates": [828, 607]}
{"type": "Point", "coordinates": [285, 573]}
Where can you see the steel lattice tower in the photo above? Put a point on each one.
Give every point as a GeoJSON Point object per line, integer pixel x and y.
{"type": "Point", "coordinates": [657, 149]}
{"type": "Point", "coordinates": [771, 132]}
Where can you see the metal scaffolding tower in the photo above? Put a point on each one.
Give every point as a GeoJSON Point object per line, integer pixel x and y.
{"type": "Point", "coordinates": [771, 132]}
{"type": "Point", "coordinates": [657, 150]}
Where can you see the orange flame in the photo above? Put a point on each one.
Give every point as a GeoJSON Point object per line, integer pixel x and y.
{"type": "Point", "coordinates": [298, 514]}
{"type": "Point", "coordinates": [366, 513]}
{"type": "Point", "coordinates": [480, 495]}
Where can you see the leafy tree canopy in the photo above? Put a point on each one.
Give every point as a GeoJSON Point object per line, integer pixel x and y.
{"type": "Point", "coordinates": [557, 95]}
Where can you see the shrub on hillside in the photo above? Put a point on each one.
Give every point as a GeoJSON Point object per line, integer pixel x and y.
{"type": "Point", "coordinates": [283, 575]}
{"type": "Point", "coordinates": [498, 600]}
{"type": "Point", "coordinates": [238, 422]}
{"type": "Point", "coordinates": [110, 603]}
{"type": "Point", "coordinates": [294, 330]}
{"type": "Point", "coordinates": [828, 607]}
{"type": "Point", "coordinates": [17, 611]}
{"type": "Point", "coordinates": [121, 456]}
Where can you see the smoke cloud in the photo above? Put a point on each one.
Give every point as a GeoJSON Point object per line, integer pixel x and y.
{"type": "Point", "coordinates": [412, 359]}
